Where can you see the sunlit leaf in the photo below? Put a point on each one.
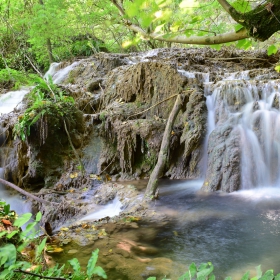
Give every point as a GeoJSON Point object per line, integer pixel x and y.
{"type": "Point", "coordinates": [192, 270]}
{"type": "Point", "coordinates": [38, 216]}
{"type": "Point", "coordinates": [40, 248]}
{"type": "Point", "coordinates": [22, 219]}
{"type": "Point", "coordinates": [75, 265]}
{"type": "Point", "coordinates": [277, 68]}
{"type": "Point", "coordinates": [245, 276]}
{"type": "Point", "coordinates": [271, 50]}
{"type": "Point", "coordinates": [8, 255]}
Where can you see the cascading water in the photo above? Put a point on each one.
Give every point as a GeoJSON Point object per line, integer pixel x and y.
{"type": "Point", "coordinates": [59, 74]}
{"type": "Point", "coordinates": [17, 203]}
{"type": "Point", "coordinates": [10, 100]}
{"type": "Point", "coordinates": [249, 110]}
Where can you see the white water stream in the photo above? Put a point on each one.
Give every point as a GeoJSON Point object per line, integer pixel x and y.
{"type": "Point", "coordinates": [11, 100]}
{"type": "Point", "coordinates": [249, 105]}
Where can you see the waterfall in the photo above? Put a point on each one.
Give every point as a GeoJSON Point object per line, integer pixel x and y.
{"type": "Point", "coordinates": [12, 99]}
{"type": "Point", "coordinates": [17, 203]}
{"type": "Point", "coordinates": [59, 74]}
{"type": "Point", "coordinates": [249, 111]}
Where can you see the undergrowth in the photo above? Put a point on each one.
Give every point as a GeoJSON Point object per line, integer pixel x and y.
{"type": "Point", "coordinates": [45, 98]}
{"type": "Point", "coordinates": [14, 79]}
{"type": "Point", "coordinates": [22, 252]}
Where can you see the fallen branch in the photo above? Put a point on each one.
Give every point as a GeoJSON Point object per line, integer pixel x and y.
{"type": "Point", "coordinates": [152, 186]}
{"type": "Point", "coordinates": [108, 165]}
{"type": "Point", "coordinates": [38, 275]}
{"type": "Point", "coordinates": [6, 183]}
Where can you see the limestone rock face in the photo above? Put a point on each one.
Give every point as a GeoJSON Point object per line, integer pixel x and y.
{"type": "Point", "coordinates": [223, 171]}
{"type": "Point", "coordinates": [145, 83]}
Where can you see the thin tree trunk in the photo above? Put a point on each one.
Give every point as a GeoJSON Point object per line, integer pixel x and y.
{"type": "Point", "coordinates": [49, 48]}
{"type": "Point", "coordinates": [6, 183]}
{"type": "Point", "coordinates": [164, 150]}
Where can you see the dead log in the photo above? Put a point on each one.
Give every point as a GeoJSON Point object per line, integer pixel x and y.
{"type": "Point", "coordinates": [152, 186]}
{"type": "Point", "coordinates": [6, 183]}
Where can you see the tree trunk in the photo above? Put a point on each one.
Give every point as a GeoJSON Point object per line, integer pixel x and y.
{"type": "Point", "coordinates": [164, 150]}
{"type": "Point", "coordinates": [260, 23]}
{"type": "Point", "coordinates": [49, 48]}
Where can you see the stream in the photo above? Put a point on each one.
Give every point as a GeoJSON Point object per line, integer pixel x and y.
{"type": "Point", "coordinates": [235, 231]}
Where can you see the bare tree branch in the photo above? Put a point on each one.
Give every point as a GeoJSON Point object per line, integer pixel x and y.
{"type": "Point", "coordinates": [6, 183]}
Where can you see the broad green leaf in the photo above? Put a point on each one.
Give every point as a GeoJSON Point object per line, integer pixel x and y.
{"type": "Point", "coordinates": [38, 216]}
{"type": "Point", "coordinates": [8, 255]}
{"type": "Point", "coordinates": [237, 27]}
{"type": "Point", "coordinates": [259, 271]}
{"type": "Point", "coordinates": [245, 276]}
{"type": "Point", "coordinates": [241, 6]}
{"type": "Point", "coordinates": [92, 262]}
{"type": "Point", "coordinates": [3, 233]}
{"type": "Point", "coordinates": [22, 219]}
{"type": "Point", "coordinates": [7, 209]}
{"type": "Point", "coordinates": [152, 278]}
{"type": "Point", "coordinates": [211, 277]}
{"type": "Point", "coordinates": [228, 278]}
{"type": "Point", "coordinates": [268, 275]}
{"type": "Point", "coordinates": [186, 276]}
{"type": "Point", "coordinates": [99, 271]}
{"type": "Point", "coordinates": [4, 274]}
{"type": "Point", "coordinates": [203, 273]}
{"type": "Point", "coordinates": [271, 50]}
{"type": "Point", "coordinates": [202, 266]}
{"type": "Point", "coordinates": [75, 265]}
{"type": "Point", "coordinates": [193, 270]}
{"type": "Point", "coordinates": [40, 248]}
{"type": "Point", "coordinates": [277, 68]}
{"type": "Point", "coordinates": [11, 234]}
{"type": "Point", "coordinates": [216, 47]}
{"type": "Point", "coordinates": [277, 277]}
{"type": "Point", "coordinates": [28, 228]}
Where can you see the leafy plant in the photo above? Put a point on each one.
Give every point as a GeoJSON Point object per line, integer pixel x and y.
{"type": "Point", "coordinates": [45, 97]}
{"type": "Point", "coordinates": [15, 79]}
{"type": "Point", "coordinates": [13, 262]}
{"type": "Point", "coordinates": [205, 272]}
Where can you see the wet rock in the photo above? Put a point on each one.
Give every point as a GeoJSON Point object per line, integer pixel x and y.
{"type": "Point", "coordinates": [223, 171]}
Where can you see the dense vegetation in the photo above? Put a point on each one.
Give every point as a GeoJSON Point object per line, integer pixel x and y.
{"type": "Point", "coordinates": [37, 32]}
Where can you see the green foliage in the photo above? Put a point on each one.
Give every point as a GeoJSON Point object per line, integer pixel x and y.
{"type": "Point", "coordinates": [92, 268]}
{"type": "Point", "coordinates": [44, 98]}
{"type": "Point", "coordinates": [205, 272]}
{"type": "Point", "coordinates": [11, 258]}
{"type": "Point", "coordinates": [15, 79]}
{"type": "Point", "coordinates": [272, 49]}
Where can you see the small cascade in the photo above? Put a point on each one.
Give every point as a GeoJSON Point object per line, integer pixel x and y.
{"type": "Point", "coordinates": [17, 203]}
{"type": "Point", "coordinates": [12, 99]}
{"type": "Point", "coordinates": [110, 210]}
{"type": "Point", "coordinates": [59, 74]}
{"type": "Point", "coordinates": [243, 114]}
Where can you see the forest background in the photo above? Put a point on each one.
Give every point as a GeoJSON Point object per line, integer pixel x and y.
{"type": "Point", "coordinates": [38, 32]}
